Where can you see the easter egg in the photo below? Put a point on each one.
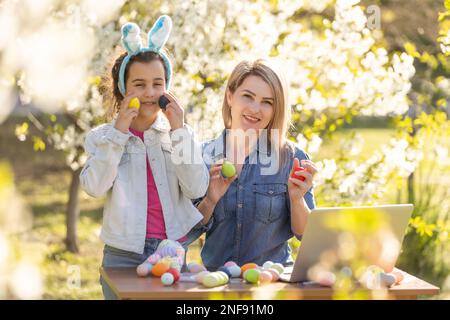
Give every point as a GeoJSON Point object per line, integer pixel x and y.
{"type": "Point", "coordinates": [167, 279]}
{"type": "Point", "coordinates": [229, 264]}
{"type": "Point", "coordinates": [199, 276]}
{"type": "Point", "coordinates": [326, 278]}
{"type": "Point", "coordinates": [275, 274]}
{"type": "Point", "coordinates": [278, 266]}
{"type": "Point", "coordinates": [235, 271]}
{"type": "Point", "coordinates": [144, 269]}
{"type": "Point", "coordinates": [223, 277]}
{"type": "Point", "coordinates": [175, 273]}
{"type": "Point", "coordinates": [298, 168]}
{"type": "Point", "coordinates": [211, 280]}
{"type": "Point", "coordinates": [252, 275]}
{"type": "Point", "coordinates": [248, 266]}
{"type": "Point", "coordinates": [398, 276]}
{"type": "Point", "coordinates": [226, 270]}
{"type": "Point", "coordinates": [154, 258]}
{"type": "Point", "coordinates": [159, 269]}
{"type": "Point", "coordinates": [197, 268]}
{"type": "Point", "coordinates": [387, 279]}
{"type": "Point", "coordinates": [265, 277]}
{"type": "Point", "coordinates": [267, 265]}
{"type": "Point", "coordinates": [228, 169]}
{"type": "Point", "coordinates": [168, 251]}
{"type": "Point", "coordinates": [134, 103]}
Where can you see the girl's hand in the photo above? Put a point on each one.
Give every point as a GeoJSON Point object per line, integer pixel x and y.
{"type": "Point", "coordinates": [174, 112]}
{"type": "Point", "coordinates": [126, 115]}
{"type": "Point", "coordinates": [297, 188]}
{"type": "Point", "coordinates": [218, 185]}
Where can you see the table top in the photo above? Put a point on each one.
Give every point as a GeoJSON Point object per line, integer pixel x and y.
{"type": "Point", "coordinates": [127, 285]}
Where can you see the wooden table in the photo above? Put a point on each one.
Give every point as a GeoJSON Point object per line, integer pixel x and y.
{"type": "Point", "coordinates": [127, 285]}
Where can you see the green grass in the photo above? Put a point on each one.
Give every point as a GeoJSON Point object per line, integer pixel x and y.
{"type": "Point", "coordinates": [43, 181]}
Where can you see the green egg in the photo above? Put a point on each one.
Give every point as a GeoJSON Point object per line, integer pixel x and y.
{"type": "Point", "coordinates": [252, 275]}
{"type": "Point", "coordinates": [228, 169]}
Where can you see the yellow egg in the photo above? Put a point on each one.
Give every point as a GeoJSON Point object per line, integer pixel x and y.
{"type": "Point", "coordinates": [134, 103]}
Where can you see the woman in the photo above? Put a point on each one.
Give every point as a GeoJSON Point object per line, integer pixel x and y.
{"type": "Point", "coordinates": [251, 216]}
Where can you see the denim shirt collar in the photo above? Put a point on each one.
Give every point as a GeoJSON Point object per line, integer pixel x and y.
{"type": "Point", "coordinates": [219, 146]}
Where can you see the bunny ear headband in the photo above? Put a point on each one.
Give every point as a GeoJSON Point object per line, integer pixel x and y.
{"type": "Point", "coordinates": [132, 42]}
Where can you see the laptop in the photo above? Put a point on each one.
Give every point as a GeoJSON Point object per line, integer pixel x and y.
{"type": "Point", "coordinates": [372, 234]}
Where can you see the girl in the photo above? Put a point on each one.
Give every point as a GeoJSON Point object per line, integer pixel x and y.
{"type": "Point", "coordinates": [251, 216]}
{"type": "Point", "coordinates": [132, 159]}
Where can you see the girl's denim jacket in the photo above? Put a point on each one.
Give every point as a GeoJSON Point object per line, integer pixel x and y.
{"type": "Point", "coordinates": [116, 167]}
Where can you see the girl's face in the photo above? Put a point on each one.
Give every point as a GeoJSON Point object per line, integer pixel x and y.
{"type": "Point", "coordinates": [251, 104]}
{"type": "Point", "coordinates": [147, 81]}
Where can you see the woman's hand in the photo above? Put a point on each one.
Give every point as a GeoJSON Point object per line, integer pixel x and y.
{"type": "Point", "coordinates": [297, 188]}
{"type": "Point", "coordinates": [174, 112]}
{"type": "Point", "coordinates": [218, 185]}
{"type": "Point", "coordinates": [126, 115]}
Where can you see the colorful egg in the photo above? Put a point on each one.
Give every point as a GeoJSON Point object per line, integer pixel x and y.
{"type": "Point", "coordinates": [199, 276]}
{"type": "Point", "coordinates": [175, 273]}
{"type": "Point", "coordinates": [159, 269]}
{"type": "Point", "coordinates": [228, 169]}
{"type": "Point", "coordinates": [226, 270]}
{"type": "Point", "coordinates": [265, 277]}
{"type": "Point", "coordinates": [134, 103]}
{"type": "Point", "coordinates": [267, 265]}
{"type": "Point", "coordinates": [326, 278]}
{"type": "Point", "coordinates": [229, 264]}
{"type": "Point", "coordinates": [278, 266]}
{"type": "Point", "coordinates": [144, 269]}
{"type": "Point", "coordinates": [248, 266]}
{"type": "Point", "coordinates": [387, 279]}
{"type": "Point", "coordinates": [154, 258]}
{"type": "Point", "coordinates": [235, 271]}
{"type": "Point", "coordinates": [196, 268]}
{"type": "Point", "coordinates": [223, 277]}
{"type": "Point", "coordinates": [211, 280]}
{"type": "Point", "coordinates": [168, 251]}
{"type": "Point", "coordinates": [275, 274]}
{"type": "Point", "coordinates": [252, 275]}
{"type": "Point", "coordinates": [167, 279]}
{"type": "Point", "coordinates": [398, 276]}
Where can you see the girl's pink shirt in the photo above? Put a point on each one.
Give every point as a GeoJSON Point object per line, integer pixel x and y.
{"type": "Point", "coordinates": [156, 227]}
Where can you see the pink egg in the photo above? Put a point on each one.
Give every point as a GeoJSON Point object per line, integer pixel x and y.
{"type": "Point", "coordinates": [144, 269]}
{"type": "Point", "coordinates": [326, 279]}
{"type": "Point", "coordinates": [230, 263]}
{"type": "Point", "coordinates": [154, 258]}
{"type": "Point", "coordinates": [265, 277]}
{"type": "Point", "coordinates": [275, 274]}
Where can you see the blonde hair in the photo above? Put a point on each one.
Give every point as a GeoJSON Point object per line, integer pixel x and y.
{"type": "Point", "coordinates": [271, 73]}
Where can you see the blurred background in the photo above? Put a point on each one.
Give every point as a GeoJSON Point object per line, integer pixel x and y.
{"type": "Point", "coordinates": [369, 92]}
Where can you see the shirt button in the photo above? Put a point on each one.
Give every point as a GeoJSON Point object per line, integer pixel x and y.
{"type": "Point", "coordinates": [271, 192]}
{"type": "Point", "coordinates": [239, 205]}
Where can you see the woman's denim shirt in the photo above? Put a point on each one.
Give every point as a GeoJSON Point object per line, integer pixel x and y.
{"type": "Point", "coordinates": [251, 222]}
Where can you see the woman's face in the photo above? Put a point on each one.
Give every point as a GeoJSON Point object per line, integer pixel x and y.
{"type": "Point", "coordinates": [147, 81]}
{"type": "Point", "coordinates": [251, 104]}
